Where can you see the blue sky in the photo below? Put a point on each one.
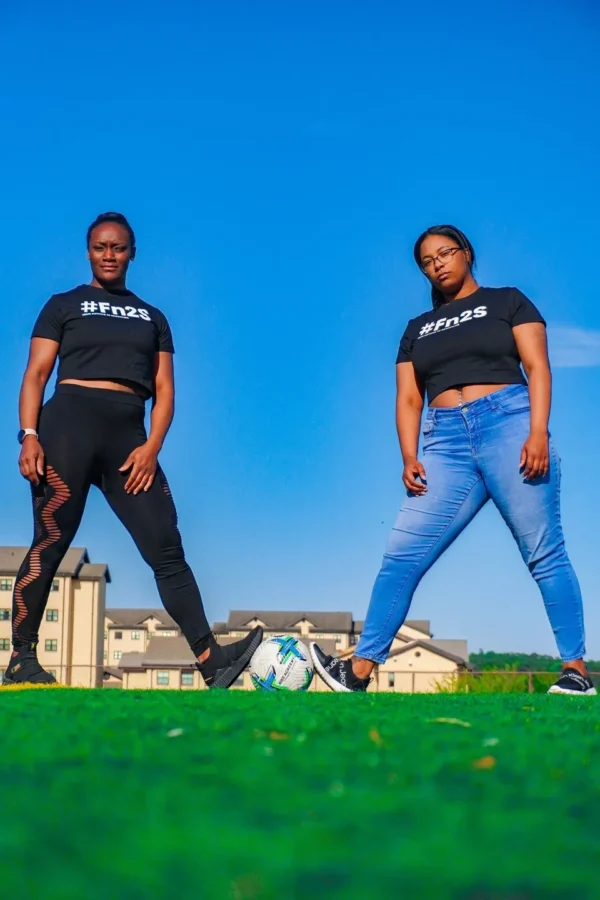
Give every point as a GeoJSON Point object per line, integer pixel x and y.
{"type": "Point", "coordinates": [277, 162]}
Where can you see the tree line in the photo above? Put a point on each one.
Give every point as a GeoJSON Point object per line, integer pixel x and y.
{"type": "Point", "coordinates": [488, 660]}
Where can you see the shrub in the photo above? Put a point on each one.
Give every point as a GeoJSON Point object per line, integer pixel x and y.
{"type": "Point", "coordinates": [506, 681]}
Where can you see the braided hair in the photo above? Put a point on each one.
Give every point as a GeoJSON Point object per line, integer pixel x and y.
{"type": "Point", "coordinates": [456, 235]}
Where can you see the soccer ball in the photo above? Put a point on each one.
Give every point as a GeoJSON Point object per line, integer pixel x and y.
{"type": "Point", "coordinates": [281, 664]}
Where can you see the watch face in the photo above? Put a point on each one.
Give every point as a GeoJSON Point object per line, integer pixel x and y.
{"type": "Point", "coordinates": [20, 436]}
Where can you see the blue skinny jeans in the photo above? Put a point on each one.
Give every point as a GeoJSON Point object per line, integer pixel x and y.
{"type": "Point", "coordinates": [471, 455]}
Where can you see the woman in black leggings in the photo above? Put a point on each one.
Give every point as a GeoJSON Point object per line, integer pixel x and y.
{"type": "Point", "coordinates": [115, 352]}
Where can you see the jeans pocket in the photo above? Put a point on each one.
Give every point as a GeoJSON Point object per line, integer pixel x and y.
{"type": "Point", "coordinates": [428, 427]}
{"type": "Point", "coordinates": [428, 434]}
{"type": "Point", "coordinates": [518, 403]}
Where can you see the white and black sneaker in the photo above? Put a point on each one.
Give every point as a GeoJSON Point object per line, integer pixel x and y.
{"type": "Point", "coordinates": [572, 682]}
{"type": "Point", "coordinates": [337, 673]}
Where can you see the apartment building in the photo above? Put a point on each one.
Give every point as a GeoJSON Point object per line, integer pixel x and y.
{"type": "Point", "coordinates": [129, 631]}
{"type": "Point", "coordinates": [418, 662]}
{"type": "Point", "coordinates": [84, 644]}
{"type": "Point", "coordinates": [71, 634]}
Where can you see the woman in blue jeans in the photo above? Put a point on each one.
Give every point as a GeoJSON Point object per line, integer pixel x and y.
{"type": "Point", "coordinates": [485, 437]}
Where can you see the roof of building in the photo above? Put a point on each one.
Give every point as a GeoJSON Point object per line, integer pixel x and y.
{"type": "Point", "coordinates": [75, 563]}
{"type": "Point", "coordinates": [275, 620]}
{"type": "Point", "coordinates": [423, 625]}
{"type": "Point", "coordinates": [94, 571]}
{"type": "Point", "coordinates": [174, 651]}
{"type": "Point", "coordinates": [114, 673]}
{"type": "Point", "coordinates": [131, 618]}
{"type": "Point", "coordinates": [431, 647]}
{"type": "Point", "coordinates": [457, 647]}
{"type": "Point", "coordinates": [161, 651]}
{"type": "Point", "coordinates": [133, 660]}
{"type": "Point", "coordinates": [281, 620]}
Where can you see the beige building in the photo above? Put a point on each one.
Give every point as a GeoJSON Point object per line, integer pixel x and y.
{"type": "Point", "coordinates": [84, 644]}
{"type": "Point", "coordinates": [128, 631]}
{"type": "Point", "coordinates": [71, 634]}
{"type": "Point", "coordinates": [153, 654]}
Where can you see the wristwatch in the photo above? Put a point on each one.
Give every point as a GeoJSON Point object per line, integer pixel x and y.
{"type": "Point", "coordinates": [25, 432]}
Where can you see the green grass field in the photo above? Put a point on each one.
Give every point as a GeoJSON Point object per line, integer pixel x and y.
{"type": "Point", "coordinates": [110, 795]}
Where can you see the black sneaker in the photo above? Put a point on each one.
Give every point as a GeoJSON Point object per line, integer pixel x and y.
{"type": "Point", "coordinates": [337, 673]}
{"type": "Point", "coordinates": [572, 682]}
{"type": "Point", "coordinates": [225, 664]}
{"type": "Point", "coordinates": [24, 668]}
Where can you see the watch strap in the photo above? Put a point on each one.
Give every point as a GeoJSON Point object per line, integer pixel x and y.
{"type": "Point", "coordinates": [26, 432]}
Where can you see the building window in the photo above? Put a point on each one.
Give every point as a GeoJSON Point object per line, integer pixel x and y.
{"type": "Point", "coordinates": [118, 635]}
{"type": "Point", "coordinates": [4, 644]}
{"type": "Point", "coordinates": [55, 585]}
{"type": "Point", "coordinates": [417, 652]}
{"type": "Point", "coordinates": [4, 615]}
{"type": "Point", "coordinates": [106, 635]}
{"type": "Point", "coordinates": [167, 633]}
{"type": "Point", "coordinates": [391, 680]}
{"type": "Point", "coordinates": [337, 638]}
{"type": "Point", "coordinates": [105, 655]}
{"type": "Point", "coordinates": [162, 677]}
{"type": "Point", "coordinates": [51, 615]}
{"type": "Point", "coordinates": [187, 679]}
{"type": "Point", "coordinates": [135, 635]}
{"type": "Point", "coordinates": [52, 646]}
{"type": "Point", "coordinates": [6, 584]}
{"type": "Point", "coordinates": [117, 654]}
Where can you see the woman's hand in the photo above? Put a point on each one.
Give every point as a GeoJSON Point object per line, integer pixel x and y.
{"type": "Point", "coordinates": [534, 456]}
{"type": "Point", "coordinates": [143, 462]}
{"type": "Point", "coordinates": [32, 460]}
{"type": "Point", "coordinates": [413, 469]}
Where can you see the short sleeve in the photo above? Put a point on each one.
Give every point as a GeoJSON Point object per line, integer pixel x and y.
{"type": "Point", "coordinates": [523, 311]}
{"type": "Point", "coordinates": [406, 345]}
{"type": "Point", "coordinates": [165, 337]}
{"type": "Point", "coordinates": [49, 323]}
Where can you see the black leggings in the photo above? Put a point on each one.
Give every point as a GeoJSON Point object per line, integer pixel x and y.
{"type": "Point", "coordinates": [87, 434]}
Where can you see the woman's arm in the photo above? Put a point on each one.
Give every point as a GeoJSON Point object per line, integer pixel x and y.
{"type": "Point", "coordinates": [532, 345]}
{"type": "Point", "coordinates": [42, 356]}
{"type": "Point", "coordinates": [163, 405]}
{"type": "Point", "coordinates": [409, 408]}
{"type": "Point", "coordinates": [143, 460]}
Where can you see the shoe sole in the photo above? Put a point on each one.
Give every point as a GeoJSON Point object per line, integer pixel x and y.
{"type": "Point", "coordinates": [326, 677]}
{"type": "Point", "coordinates": [230, 674]}
{"type": "Point", "coordinates": [591, 692]}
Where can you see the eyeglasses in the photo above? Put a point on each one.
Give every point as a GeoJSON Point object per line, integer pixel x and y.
{"type": "Point", "coordinates": [446, 254]}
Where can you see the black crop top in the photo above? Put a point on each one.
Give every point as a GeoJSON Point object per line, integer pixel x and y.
{"type": "Point", "coordinates": [468, 341]}
{"type": "Point", "coordinates": [105, 335]}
